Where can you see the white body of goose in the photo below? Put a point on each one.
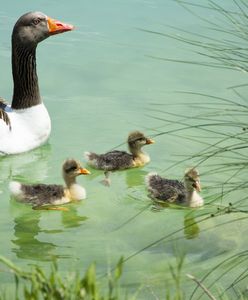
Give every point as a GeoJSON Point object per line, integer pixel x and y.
{"type": "Point", "coordinates": [26, 124]}
{"type": "Point", "coordinates": [30, 128]}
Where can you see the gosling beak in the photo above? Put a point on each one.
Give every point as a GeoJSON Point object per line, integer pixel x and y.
{"type": "Point", "coordinates": [83, 171]}
{"type": "Point", "coordinates": [149, 141]}
{"type": "Point", "coordinates": [197, 185]}
{"type": "Point", "coordinates": [56, 27]}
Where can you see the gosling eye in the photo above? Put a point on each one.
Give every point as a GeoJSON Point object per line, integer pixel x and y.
{"type": "Point", "coordinates": [140, 140]}
{"type": "Point", "coordinates": [194, 185]}
{"type": "Point", "coordinates": [71, 169]}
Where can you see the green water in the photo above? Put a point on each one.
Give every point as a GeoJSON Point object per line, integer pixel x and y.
{"type": "Point", "coordinates": [100, 82]}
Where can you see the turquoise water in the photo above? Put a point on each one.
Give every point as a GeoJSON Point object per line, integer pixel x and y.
{"type": "Point", "coordinates": [100, 82]}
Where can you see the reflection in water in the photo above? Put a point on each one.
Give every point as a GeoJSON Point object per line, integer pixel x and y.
{"type": "Point", "coordinates": [33, 163]}
{"type": "Point", "coordinates": [28, 246]}
{"type": "Point", "coordinates": [27, 229]}
{"type": "Point", "coordinates": [191, 228]}
{"type": "Point", "coordinates": [27, 226]}
{"type": "Point", "coordinates": [71, 219]}
{"type": "Point", "coordinates": [135, 177]}
{"type": "Point", "coordinates": [159, 205]}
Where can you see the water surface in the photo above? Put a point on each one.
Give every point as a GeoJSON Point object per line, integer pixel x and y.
{"type": "Point", "coordinates": [100, 82]}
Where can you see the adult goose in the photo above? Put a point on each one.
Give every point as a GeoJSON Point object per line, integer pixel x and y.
{"type": "Point", "coordinates": [51, 194]}
{"type": "Point", "coordinates": [174, 191]}
{"type": "Point", "coordinates": [25, 124]}
{"type": "Point", "coordinates": [120, 160]}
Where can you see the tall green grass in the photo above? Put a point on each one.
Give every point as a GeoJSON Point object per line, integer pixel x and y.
{"type": "Point", "coordinates": [37, 284]}
{"type": "Point", "coordinates": [224, 120]}
{"type": "Point", "coordinates": [223, 155]}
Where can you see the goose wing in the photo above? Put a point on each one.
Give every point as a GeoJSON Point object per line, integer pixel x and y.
{"type": "Point", "coordinates": [4, 108]}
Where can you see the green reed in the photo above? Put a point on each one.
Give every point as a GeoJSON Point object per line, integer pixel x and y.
{"type": "Point", "coordinates": [37, 284]}
{"type": "Point", "coordinates": [224, 120]}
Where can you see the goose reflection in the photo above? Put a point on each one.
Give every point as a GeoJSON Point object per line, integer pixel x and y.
{"type": "Point", "coordinates": [34, 162]}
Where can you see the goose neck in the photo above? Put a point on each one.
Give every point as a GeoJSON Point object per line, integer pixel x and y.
{"type": "Point", "coordinates": [26, 89]}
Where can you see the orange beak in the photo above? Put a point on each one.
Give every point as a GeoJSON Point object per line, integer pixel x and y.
{"type": "Point", "coordinates": [56, 27]}
{"type": "Point", "coordinates": [149, 141]}
{"type": "Point", "coordinates": [83, 171]}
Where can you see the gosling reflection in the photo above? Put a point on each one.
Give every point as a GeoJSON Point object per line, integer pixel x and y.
{"type": "Point", "coordinates": [190, 227]}
{"type": "Point", "coordinates": [159, 205]}
{"type": "Point", "coordinates": [133, 177]}
{"type": "Point", "coordinates": [28, 246]}
{"type": "Point", "coordinates": [71, 218]}
{"type": "Point", "coordinates": [27, 229]}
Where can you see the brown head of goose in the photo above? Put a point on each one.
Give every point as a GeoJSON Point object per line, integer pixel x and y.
{"type": "Point", "coordinates": [26, 124]}
{"type": "Point", "coordinates": [174, 191]}
{"type": "Point", "coordinates": [51, 194]}
{"type": "Point", "coordinates": [120, 160]}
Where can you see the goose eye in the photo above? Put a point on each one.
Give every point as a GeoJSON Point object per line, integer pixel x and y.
{"type": "Point", "coordinates": [36, 21]}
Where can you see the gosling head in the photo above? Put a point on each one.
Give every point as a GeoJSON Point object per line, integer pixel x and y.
{"type": "Point", "coordinates": [72, 168]}
{"type": "Point", "coordinates": [136, 140]}
{"type": "Point", "coordinates": [192, 180]}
